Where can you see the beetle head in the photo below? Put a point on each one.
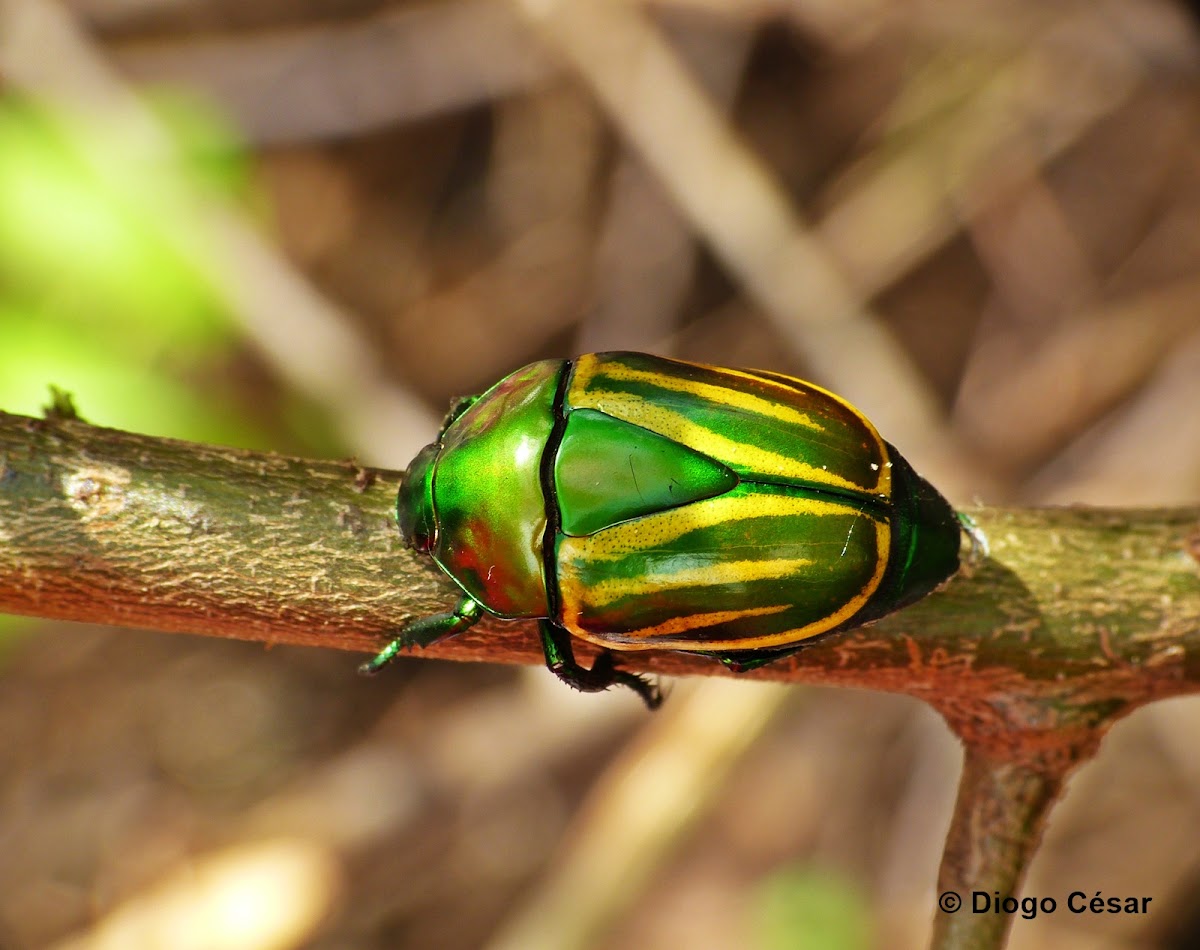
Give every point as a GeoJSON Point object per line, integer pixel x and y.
{"type": "Point", "coordinates": [414, 504]}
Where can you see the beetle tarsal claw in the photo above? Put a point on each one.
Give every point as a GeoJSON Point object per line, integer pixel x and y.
{"type": "Point", "coordinates": [645, 687]}
{"type": "Point", "coordinates": [649, 690]}
{"type": "Point", "coordinates": [373, 666]}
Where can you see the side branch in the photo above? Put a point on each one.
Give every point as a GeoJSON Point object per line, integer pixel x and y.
{"type": "Point", "coordinates": [997, 823]}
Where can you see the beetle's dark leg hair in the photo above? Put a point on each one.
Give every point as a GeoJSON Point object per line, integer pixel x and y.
{"type": "Point", "coordinates": [427, 630]}
{"type": "Point", "coordinates": [560, 659]}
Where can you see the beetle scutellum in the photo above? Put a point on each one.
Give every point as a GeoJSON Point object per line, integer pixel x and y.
{"type": "Point", "coordinates": [643, 503]}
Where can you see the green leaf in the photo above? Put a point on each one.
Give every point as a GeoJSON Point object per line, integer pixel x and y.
{"type": "Point", "coordinates": [101, 294]}
{"type": "Point", "coordinates": [89, 229]}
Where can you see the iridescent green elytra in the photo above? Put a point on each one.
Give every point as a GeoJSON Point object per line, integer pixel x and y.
{"type": "Point", "coordinates": [643, 503]}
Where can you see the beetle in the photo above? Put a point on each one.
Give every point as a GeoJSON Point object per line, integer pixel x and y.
{"type": "Point", "coordinates": [645, 503]}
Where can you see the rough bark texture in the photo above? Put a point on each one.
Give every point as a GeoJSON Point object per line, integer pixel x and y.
{"type": "Point", "coordinates": [1073, 618]}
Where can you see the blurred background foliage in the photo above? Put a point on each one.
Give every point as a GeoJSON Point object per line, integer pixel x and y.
{"type": "Point", "coordinates": [94, 290]}
{"type": "Point", "coordinates": [306, 226]}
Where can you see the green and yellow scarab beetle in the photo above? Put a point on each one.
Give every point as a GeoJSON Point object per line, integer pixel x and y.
{"type": "Point", "coordinates": [643, 503]}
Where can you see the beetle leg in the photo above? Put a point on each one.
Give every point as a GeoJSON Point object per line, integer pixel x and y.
{"type": "Point", "coordinates": [560, 660]}
{"type": "Point", "coordinates": [427, 630]}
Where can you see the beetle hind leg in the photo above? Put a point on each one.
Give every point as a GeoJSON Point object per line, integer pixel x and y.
{"type": "Point", "coordinates": [560, 660]}
{"type": "Point", "coordinates": [426, 630]}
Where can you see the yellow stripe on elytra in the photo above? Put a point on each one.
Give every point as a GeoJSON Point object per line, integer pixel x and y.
{"type": "Point", "coordinates": [782, 380]}
{"type": "Point", "coordinates": [660, 636]}
{"type": "Point", "coordinates": [883, 544]}
{"type": "Point", "coordinates": [651, 415]}
{"type": "Point", "coordinates": [677, 625]}
{"type": "Point", "coordinates": [588, 369]}
{"type": "Point", "coordinates": [603, 593]}
{"type": "Point", "coordinates": [680, 428]}
{"type": "Point", "coordinates": [665, 527]}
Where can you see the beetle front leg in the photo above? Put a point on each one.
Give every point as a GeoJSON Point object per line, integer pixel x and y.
{"type": "Point", "coordinates": [427, 630]}
{"type": "Point", "coordinates": [560, 660]}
